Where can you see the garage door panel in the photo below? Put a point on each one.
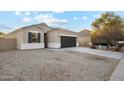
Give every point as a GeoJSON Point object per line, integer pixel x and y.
{"type": "Point", "coordinates": [67, 41]}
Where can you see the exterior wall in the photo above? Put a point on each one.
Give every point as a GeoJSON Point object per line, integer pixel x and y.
{"type": "Point", "coordinates": [77, 42]}
{"type": "Point", "coordinates": [53, 38]}
{"type": "Point", "coordinates": [84, 41]}
{"type": "Point", "coordinates": [54, 45]}
{"type": "Point", "coordinates": [25, 34]}
{"type": "Point", "coordinates": [22, 38]}
{"type": "Point", "coordinates": [8, 44]}
{"type": "Point", "coordinates": [19, 39]}
{"type": "Point", "coordinates": [18, 36]}
{"type": "Point", "coordinates": [31, 45]}
{"type": "Point", "coordinates": [24, 43]}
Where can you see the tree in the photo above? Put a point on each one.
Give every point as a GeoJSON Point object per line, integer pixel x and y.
{"type": "Point", "coordinates": [2, 35]}
{"type": "Point", "coordinates": [109, 29]}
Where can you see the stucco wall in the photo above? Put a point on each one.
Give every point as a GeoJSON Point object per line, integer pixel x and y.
{"type": "Point", "coordinates": [19, 39]}
{"type": "Point", "coordinates": [18, 36]}
{"type": "Point", "coordinates": [53, 40]}
{"type": "Point", "coordinates": [84, 41]}
{"type": "Point", "coordinates": [25, 34]}
{"type": "Point", "coordinates": [24, 43]}
{"type": "Point", "coordinates": [22, 38]}
{"type": "Point", "coordinates": [53, 37]}
{"type": "Point", "coordinates": [12, 35]}
{"type": "Point", "coordinates": [8, 44]}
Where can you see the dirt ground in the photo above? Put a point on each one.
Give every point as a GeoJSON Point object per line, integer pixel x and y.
{"type": "Point", "coordinates": [51, 65]}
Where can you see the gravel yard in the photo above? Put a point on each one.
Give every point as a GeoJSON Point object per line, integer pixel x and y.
{"type": "Point", "coordinates": [52, 65]}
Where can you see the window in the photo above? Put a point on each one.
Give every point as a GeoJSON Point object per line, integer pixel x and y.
{"type": "Point", "coordinates": [33, 37]}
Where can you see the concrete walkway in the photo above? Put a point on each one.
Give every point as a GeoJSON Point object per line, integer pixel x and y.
{"type": "Point", "coordinates": [110, 54]}
{"type": "Point", "coordinates": [118, 74]}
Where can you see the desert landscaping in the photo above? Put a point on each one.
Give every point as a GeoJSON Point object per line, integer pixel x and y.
{"type": "Point", "coordinates": [44, 52]}
{"type": "Point", "coordinates": [49, 64]}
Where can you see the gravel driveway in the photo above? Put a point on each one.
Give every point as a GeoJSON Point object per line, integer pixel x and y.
{"type": "Point", "coordinates": [52, 65]}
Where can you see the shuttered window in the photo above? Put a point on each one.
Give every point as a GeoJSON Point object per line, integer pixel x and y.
{"type": "Point", "coordinates": [39, 37]}
{"type": "Point", "coordinates": [29, 37]}
{"type": "Point", "coordinates": [34, 37]}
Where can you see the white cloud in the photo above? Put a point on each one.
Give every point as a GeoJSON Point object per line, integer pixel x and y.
{"type": "Point", "coordinates": [5, 26]}
{"type": "Point", "coordinates": [26, 19]}
{"type": "Point", "coordinates": [58, 12]}
{"type": "Point", "coordinates": [17, 13]}
{"type": "Point", "coordinates": [50, 20]}
{"type": "Point", "coordinates": [75, 18]}
{"type": "Point", "coordinates": [84, 17]}
{"type": "Point", "coordinates": [27, 13]}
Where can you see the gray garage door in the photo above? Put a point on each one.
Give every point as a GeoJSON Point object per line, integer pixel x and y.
{"type": "Point", "coordinates": [67, 41]}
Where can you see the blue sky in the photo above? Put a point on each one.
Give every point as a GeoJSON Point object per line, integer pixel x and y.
{"type": "Point", "coordinates": [72, 20]}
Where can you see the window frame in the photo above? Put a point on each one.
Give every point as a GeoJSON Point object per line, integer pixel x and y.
{"type": "Point", "coordinates": [34, 38]}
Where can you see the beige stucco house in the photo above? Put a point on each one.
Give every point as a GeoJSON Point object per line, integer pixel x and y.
{"type": "Point", "coordinates": [43, 36]}
{"type": "Point", "coordinates": [84, 38]}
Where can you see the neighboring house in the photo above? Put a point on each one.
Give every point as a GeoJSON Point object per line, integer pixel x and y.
{"type": "Point", "coordinates": [43, 36]}
{"type": "Point", "coordinates": [84, 38]}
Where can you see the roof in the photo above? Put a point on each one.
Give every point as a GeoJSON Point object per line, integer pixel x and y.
{"type": "Point", "coordinates": [62, 30]}
{"type": "Point", "coordinates": [84, 32]}
{"type": "Point", "coordinates": [42, 26]}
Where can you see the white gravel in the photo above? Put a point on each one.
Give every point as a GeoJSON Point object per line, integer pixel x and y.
{"type": "Point", "coordinates": [52, 65]}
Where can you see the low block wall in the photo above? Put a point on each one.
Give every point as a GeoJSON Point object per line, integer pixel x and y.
{"type": "Point", "coordinates": [8, 44]}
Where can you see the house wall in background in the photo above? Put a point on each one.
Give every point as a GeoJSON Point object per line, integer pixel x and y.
{"type": "Point", "coordinates": [84, 41]}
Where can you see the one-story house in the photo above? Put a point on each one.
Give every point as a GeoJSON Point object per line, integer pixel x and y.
{"type": "Point", "coordinates": [84, 38]}
{"type": "Point", "coordinates": [43, 36]}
